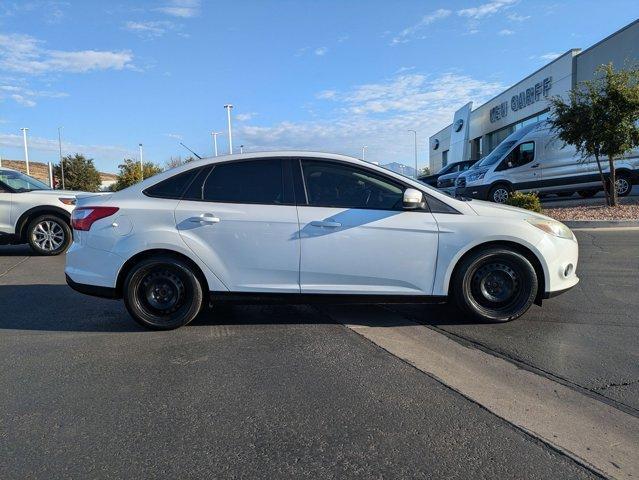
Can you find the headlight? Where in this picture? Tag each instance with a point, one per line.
(67, 200)
(471, 177)
(551, 227)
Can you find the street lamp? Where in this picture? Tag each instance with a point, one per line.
(241, 148)
(415, 133)
(214, 135)
(61, 159)
(26, 149)
(141, 163)
(364, 152)
(228, 107)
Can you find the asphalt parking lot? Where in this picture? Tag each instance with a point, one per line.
(276, 392)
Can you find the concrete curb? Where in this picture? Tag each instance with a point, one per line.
(601, 223)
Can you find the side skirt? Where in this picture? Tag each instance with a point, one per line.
(250, 298)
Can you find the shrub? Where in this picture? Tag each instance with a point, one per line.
(529, 201)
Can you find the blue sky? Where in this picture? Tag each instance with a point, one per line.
(322, 75)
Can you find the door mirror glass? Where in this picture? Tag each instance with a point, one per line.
(413, 199)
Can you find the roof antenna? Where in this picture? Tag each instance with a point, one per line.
(199, 158)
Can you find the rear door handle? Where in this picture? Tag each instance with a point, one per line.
(205, 218)
(326, 223)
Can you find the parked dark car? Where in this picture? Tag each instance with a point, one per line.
(450, 168)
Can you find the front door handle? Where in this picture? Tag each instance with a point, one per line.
(326, 223)
(534, 166)
(205, 218)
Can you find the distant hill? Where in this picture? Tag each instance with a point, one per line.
(40, 170)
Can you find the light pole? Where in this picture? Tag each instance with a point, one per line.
(61, 159)
(228, 107)
(214, 135)
(364, 152)
(26, 149)
(415, 133)
(141, 163)
(241, 148)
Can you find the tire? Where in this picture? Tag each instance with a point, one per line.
(163, 293)
(495, 284)
(587, 193)
(49, 235)
(623, 184)
(499, 193)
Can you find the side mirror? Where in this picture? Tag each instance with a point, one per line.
(413, 199)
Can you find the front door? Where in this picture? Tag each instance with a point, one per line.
(240, 219)
(522, 167)
(355, 237)
(5, 209)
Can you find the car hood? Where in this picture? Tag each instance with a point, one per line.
(450, 175)
(490, 209)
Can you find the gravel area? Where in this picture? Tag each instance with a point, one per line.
(594, 212)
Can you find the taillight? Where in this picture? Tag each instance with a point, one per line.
(82, 218)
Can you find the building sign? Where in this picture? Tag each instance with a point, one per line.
(525, 98)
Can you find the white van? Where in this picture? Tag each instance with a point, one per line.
(533, 159)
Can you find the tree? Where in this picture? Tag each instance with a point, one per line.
(130, 173)
(600, 118)
(423, 172)
(177, 161)
(79, 173)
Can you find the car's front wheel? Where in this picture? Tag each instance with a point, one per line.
(499, 193)
(495, 284)
(49, 235)
(623, 184)
(163, 293)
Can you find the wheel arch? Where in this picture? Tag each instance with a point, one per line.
(29, 215)
(157, 252)
(530, 255)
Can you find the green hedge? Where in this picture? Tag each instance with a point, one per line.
(529, 201)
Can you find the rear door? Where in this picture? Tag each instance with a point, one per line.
(563, 168)
(240, 219)
(356, 238)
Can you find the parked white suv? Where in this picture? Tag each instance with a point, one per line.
(31, 212)
(303, 226)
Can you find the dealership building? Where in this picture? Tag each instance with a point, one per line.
(475, 133)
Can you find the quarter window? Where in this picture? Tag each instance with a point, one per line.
(173, 187)
(255, 181)
(335, 185)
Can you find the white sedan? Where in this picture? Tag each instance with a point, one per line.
(303, 226)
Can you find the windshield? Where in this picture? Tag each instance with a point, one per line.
(494, 156)
(21, 182)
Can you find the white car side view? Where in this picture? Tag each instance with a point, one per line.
(303, 226)
(31, 212)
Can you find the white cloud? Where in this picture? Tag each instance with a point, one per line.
(25, 96)
(546, 56)
(409, 33)
(99, 152)
(175, 136)
(516, 17)
(321, 51)
(244, 117)
(25, 54)
(506, 31)
(377, 115)
(150, 29)
(486, 9)
(181, 8)
(343, 38)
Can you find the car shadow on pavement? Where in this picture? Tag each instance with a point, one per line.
(58, 308)
(15, 251)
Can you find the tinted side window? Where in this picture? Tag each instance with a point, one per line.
(255, 181)
(520, 155)
(335, 185)
(174, 186)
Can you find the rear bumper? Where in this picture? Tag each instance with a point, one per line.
(93, 290)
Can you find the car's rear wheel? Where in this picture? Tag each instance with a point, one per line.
(495, 284)
(163, 293)
(499, 193)
(623, 184)
(49, 235)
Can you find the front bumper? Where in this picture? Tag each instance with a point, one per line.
(479, 192)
